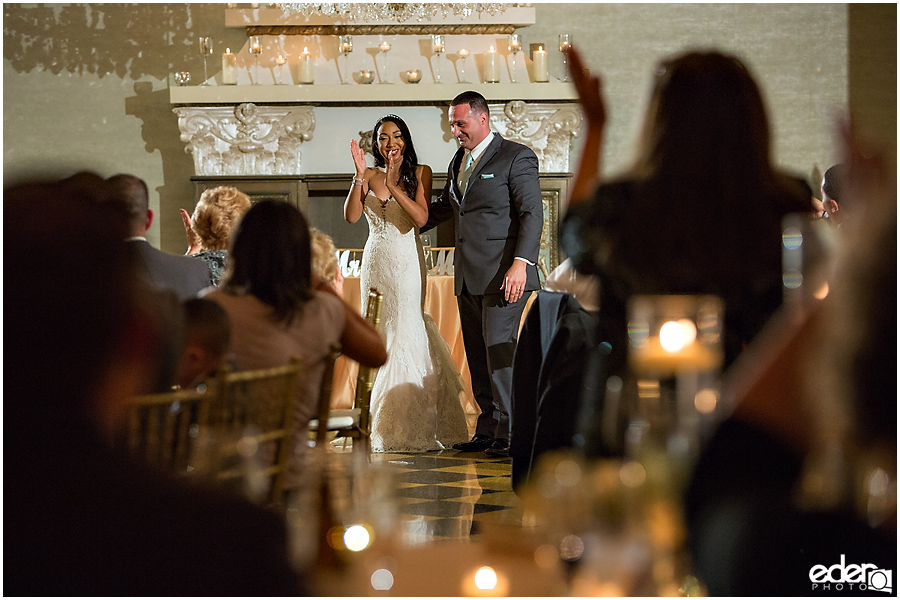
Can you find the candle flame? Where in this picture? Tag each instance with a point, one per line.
(227, 50)
(540, 48)
(305, 50)
(492, 49)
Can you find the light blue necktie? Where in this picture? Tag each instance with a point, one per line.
(467, 171)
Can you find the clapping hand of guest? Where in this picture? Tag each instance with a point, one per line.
(193, 240)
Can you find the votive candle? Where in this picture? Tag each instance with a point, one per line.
(541, 68)
(306, 67)
(229, 68)
(491, 66)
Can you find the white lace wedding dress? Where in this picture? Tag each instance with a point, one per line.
(415, 404)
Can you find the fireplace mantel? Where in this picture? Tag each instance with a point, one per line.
(373, 94)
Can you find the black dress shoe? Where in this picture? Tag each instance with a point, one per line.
(499, 449)
(478, 443)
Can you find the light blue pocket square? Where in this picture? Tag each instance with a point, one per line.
(487, 175)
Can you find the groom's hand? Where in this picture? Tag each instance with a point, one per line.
(514, 281)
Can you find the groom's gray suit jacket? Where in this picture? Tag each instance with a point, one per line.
(500, 216)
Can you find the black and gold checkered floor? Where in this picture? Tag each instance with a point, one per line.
(450, 494)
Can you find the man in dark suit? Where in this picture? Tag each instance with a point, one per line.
(79, 518)
(493, 187)
(182, 274)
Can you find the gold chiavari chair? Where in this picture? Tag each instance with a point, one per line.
(354, 423)
(252, 417)
(163, 427)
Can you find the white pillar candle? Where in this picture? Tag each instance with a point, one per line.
(306, 67)
(541, 70)
(229, 68)
(491, 66)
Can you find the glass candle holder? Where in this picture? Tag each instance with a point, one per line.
(463, 55)
(437, 45)
(256, 50)
(514, 46)
(384, 48)
(345, 45)
(205, 45)
(565, 42)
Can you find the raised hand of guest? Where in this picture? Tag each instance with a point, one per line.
(594, 107)
(193, 240)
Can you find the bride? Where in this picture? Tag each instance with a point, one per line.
(415, 405)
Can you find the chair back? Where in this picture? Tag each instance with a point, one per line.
(253, 416)
(366, 377)
(162, 427)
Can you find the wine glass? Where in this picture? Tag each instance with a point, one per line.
(206, 49)
(345, 45)
(385, 47)
(256, 50)
(565, 42)
(437, 44)
(515, 46)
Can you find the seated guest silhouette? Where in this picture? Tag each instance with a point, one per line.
(184, 276)
(207, 334)
(80, 519)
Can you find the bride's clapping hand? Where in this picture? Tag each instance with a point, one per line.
(393, 167)
(359, 158)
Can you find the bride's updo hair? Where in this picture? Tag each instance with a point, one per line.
(408, 178)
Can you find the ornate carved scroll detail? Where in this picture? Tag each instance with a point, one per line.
(495, 28)
(245, 139)
(548, 129)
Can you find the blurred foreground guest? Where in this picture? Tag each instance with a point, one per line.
(699, 212)
(160, 270)
(207, 335)
(325, 265)
(79, 518)
(276, 315)
(209, 228)
(804, 472)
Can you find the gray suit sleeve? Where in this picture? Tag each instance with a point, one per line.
(525, 189)
(440, 210)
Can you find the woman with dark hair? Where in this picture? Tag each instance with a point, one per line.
(416, 398)
(275, 313)
(700, 210)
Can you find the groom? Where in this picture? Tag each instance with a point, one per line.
(492, 185)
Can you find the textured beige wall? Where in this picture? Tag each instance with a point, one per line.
(797, 53)
(85, 85)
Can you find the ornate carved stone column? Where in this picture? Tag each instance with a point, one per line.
(246, 139)
(548, 129)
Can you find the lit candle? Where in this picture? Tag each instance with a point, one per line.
(463, 53)
(384, 46)
(306, 67)
(437, 43)
(229, 68)
(541, 70)
(491, 66)
(280, 60)
(255, 45)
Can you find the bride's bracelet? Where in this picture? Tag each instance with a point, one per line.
(358, 181)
